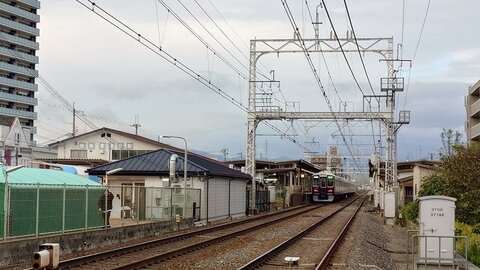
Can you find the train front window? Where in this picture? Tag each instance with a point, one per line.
(323, 182)
(330, 179)
(315, 181)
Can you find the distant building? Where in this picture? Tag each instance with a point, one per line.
(18, 34)
(106, 144)
(330, 161)
(411, 175)
(472, 106)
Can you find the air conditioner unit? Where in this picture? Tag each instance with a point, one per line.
(165, 182)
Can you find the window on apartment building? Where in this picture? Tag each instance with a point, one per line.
(82, 145)
(91, 145)
(129, 146)
(78, 154)
(120, 146)
(101, 145)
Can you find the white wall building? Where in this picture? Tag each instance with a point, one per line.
(106, 144)
(212, 190)
(15, 142)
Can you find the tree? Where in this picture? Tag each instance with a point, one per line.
(458, 177)
(450, 138)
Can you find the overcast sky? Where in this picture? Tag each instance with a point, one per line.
(112, 78)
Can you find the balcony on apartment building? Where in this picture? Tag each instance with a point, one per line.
(18, 55)
(19, 113)
(31, 3)
(20, 12)
(19, 41)
(18, 99)
(18, 84)
(18, 69)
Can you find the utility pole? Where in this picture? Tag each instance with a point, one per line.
(73, 128)
(266, 149)
(225, 153)
(75, 112)
(136, 125)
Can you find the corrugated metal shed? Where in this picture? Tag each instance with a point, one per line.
(156, 163)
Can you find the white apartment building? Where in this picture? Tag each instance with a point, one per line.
(472, 106)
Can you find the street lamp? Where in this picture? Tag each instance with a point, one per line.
(111, 172)
(6, 202)
(106, 191)
(184, 170)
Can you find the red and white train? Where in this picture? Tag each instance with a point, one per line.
(327, 187)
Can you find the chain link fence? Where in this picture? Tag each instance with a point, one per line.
(34, 209)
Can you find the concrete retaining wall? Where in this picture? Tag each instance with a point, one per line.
(20, 251)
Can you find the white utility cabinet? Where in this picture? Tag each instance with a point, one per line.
(390, 204)
(437, 229)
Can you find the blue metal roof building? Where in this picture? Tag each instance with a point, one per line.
(222, 190)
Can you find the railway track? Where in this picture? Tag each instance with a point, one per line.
(168, 247)
(307, 249)
(235, 250)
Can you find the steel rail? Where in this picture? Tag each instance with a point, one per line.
(83, 260)
(326, 259)
(190, 248)
(262, 259)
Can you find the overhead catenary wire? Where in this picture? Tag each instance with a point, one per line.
(315, 74)
(323, 57)
(233, 43)
(208, 46)
(194, 33)
(363, 62)
(421, 30)
(65, 103)
(120, 25)
(341, 48)
(358, 50)
(325, 62)
(415, 52)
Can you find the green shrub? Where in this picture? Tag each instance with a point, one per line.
(473, 241)
(410, 212)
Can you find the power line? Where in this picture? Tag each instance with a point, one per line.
(341, 48)
(170, 58)
(416, 50)
(324, 59)
(323, 55)
(421, 31)
(361, 59)
(194, 33)
(315, 73)
(233, 43)
(358, 49)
